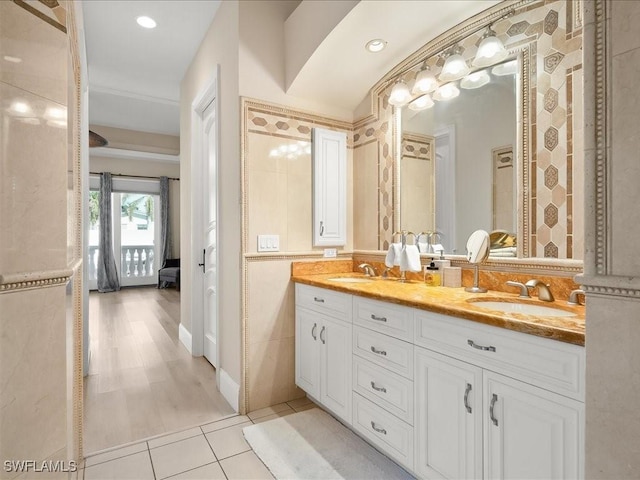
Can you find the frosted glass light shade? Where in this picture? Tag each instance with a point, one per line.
(446, 92)
(400, 94)
(425, 82)
(455, 67)
(475, 80)
(490, 51)
(507, 68)
(421, 103)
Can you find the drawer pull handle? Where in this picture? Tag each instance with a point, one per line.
(378, 389)
(378, 352)
(377, 429)
(494, 399)
(313, 331)
(466, 398)
(318, 299)
(322, 339)
(480, 347)
(378, 319)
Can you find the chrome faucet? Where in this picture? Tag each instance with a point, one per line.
(387, 273)
(367, 269)
(573, 297)
(544, 293)
(524, 291)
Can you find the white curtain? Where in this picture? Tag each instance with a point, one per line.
(107, 273)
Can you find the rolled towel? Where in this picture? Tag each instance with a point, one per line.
(393, 255)
(410, 259)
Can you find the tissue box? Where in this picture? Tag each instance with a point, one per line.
(452, 277)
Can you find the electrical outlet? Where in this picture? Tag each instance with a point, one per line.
(330, 253)
(268, 243)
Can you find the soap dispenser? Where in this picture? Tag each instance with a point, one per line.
(442, 262)
(432, 275)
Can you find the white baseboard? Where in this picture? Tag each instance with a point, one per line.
(230, 390)
(185, 337)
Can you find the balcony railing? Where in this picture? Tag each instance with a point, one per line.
(137, 265)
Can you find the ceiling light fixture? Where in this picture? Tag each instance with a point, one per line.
(455, 67)
(146, 22)
(475, 80)
(20, 107)
(490, 51)
(376, 45)
(421, 103)
(446, 92)
(400, 94)
(425, 81)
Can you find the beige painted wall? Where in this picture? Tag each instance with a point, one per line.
(219, 47)
(365, 197)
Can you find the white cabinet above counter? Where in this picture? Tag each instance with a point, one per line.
(444, 397)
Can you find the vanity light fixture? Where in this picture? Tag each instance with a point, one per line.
(376, 45)
(421, 103)
(20, 108)
(146, 22)
(400, 94)
(490, 51)
(455, 66)
(507, 68)
(12, 59)
(446, 92)
(425, 81)
(475, 80)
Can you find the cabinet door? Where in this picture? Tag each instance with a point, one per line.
(335, 370)
(448, 417)
(530, 432)
(308, 326)
(329, 187)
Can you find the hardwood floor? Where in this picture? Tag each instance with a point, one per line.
(142, 381)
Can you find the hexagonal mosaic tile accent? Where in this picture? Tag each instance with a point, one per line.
(551, 138)
(551, 250)
(551, 177)
(518, 28)
(551, 215)
(282, 125)
(551, 100)
(552, 61)
(551, 22)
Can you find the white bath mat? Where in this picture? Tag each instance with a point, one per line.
(313, 445)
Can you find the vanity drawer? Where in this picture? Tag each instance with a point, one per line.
(390, 319)
(325, 301)
(549, 364)
(383, 350)
(388, 433)
(384, 388)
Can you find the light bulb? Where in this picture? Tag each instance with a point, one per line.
(376, 45)
(446, 92)
(475, 80)
(400, 94)
(490, 51)
(421, 103)
(146, 22)
(425, 82)
(455, 67)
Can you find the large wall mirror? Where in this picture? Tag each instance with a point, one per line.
(501, 150)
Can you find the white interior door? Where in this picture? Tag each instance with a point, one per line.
(210, 234)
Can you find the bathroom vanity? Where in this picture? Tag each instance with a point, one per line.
(444, 387)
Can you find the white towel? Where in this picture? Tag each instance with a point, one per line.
(423, 247)
(410, 259)
(393, 255)
(437, 248)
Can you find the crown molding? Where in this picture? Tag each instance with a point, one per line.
(121, 153)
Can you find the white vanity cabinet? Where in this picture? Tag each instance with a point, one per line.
(323, 348)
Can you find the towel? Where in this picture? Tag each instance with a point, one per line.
(423, 247)
(393, 255)
(410, 259)
(503, 252)
(437, 248)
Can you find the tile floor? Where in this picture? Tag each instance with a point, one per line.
(214, 450)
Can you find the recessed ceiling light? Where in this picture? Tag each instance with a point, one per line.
(12, 59)
(375, 45)
(146, 22)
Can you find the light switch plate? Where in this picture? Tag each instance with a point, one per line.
(330, 253)
(268, 243)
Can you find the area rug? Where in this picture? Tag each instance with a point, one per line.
(313, 445)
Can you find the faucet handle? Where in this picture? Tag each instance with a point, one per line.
(524, 291)
(573, 297)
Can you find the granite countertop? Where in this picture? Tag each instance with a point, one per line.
(459, 303)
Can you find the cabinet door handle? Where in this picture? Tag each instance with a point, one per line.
(379, 319)
(313, 331)
(466, 398)
(321, 337)
(378, 429)
(480, 347)
(378, 352)
(378, 389)
(321, 229)
(318, 299)
(494, 399)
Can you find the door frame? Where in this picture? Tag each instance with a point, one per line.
(445, 172)
(209, 93)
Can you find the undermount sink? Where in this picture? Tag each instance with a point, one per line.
(524, 308)
(350, 280)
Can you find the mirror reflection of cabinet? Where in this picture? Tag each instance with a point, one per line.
(329, 187)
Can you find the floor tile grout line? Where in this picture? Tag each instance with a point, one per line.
(191, 469)
(153, 470)
(112, 459)
(175, 441)
(212, 450)
(225, 428)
